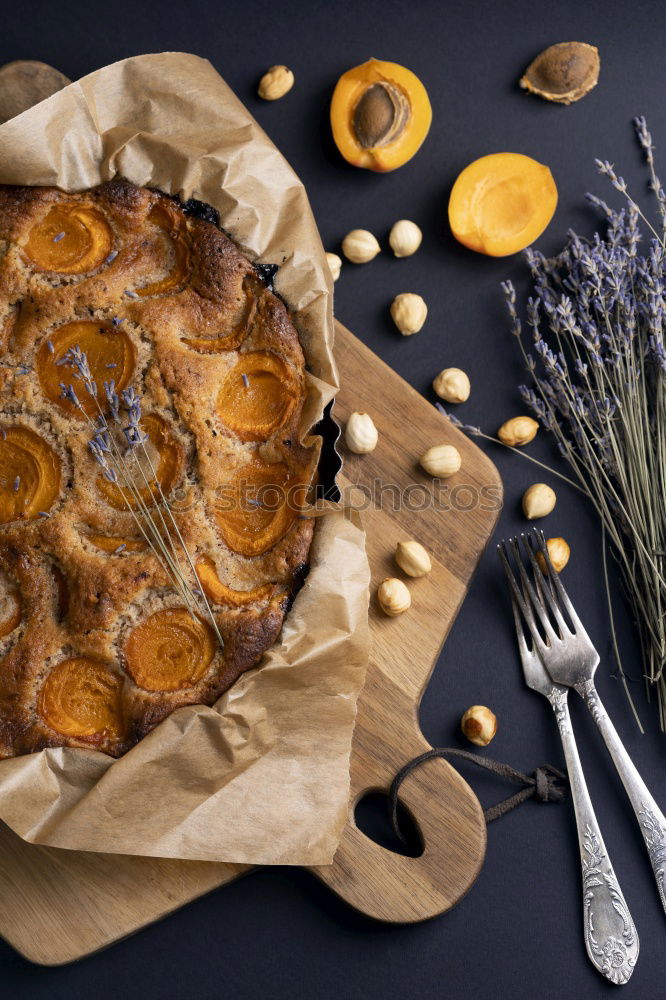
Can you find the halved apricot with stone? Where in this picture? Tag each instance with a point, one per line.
(170, 650)
(71, 239)
(258, 506)
(81, 698)
(29, 474)
(11, 610)
(257, 396)
(174, 227)
(380, 115)
(501, 203)
(110, 354)
(150, 468)
(113, 544)
(219, 593)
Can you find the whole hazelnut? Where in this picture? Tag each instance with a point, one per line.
(361, 434)
(393, 596)
(538, 501)
(359, 246)
(479, 725)
(452, 385)
(409, 313)
(518, 431)
(558, 553)
(442, 460)
(275, 83)
(412, 558)
(405, 238)
(334, 265)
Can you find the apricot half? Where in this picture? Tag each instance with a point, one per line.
(380, 115)
(29, 474)
(81, 698)
(170, 650)
(501, 203)
(258, 506)
(110, 354)
(163, 457)
(257, 396)
(71, 239)
(174, 226)
(219, 593)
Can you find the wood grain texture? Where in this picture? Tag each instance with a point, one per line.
(57, 906)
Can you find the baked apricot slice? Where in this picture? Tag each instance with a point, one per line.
(380, 115)
(219, 593)
(163, 458)
(257, 396)
(175, 228)
(29, 474)
(258, 506)
(81, 698)
(11, 609)
(170, 650)
(111, 543)
(501, 203)
(71, 239)
(110, 354)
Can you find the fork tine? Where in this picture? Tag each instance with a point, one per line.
(544, 589)
(530, 592)
(520, 602)
(557, 586)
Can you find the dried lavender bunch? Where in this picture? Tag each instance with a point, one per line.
(594, 349)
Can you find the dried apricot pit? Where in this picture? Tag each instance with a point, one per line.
(563, 73)
(501, 203)
(380, 115)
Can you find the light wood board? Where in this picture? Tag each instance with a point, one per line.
(57, 906)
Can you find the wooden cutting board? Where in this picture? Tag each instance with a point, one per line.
(56, 905)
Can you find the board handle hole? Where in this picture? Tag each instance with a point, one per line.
(373, 818)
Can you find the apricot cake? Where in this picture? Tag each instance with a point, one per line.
(151, 388)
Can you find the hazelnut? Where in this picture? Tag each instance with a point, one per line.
(442, 460)
(538, 501)
(518, 431)
(334, 265)
(412, 558)
(275, 83)
(361, 434)
(393, 597)
(359, 246)
(558, 552)
(452, 384)
(405, 238)
(409, 312)
(479, 725)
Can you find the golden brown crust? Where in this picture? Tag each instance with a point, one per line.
(204, 309)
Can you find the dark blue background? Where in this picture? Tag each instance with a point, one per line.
(517, 934)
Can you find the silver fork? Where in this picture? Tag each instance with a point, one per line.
(571, 660)
(610, 935)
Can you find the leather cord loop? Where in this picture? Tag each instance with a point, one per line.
(547, 784)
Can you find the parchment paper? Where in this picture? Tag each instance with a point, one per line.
(263, 776)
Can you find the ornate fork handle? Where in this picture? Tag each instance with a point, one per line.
(650, 817)
(610, 936)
